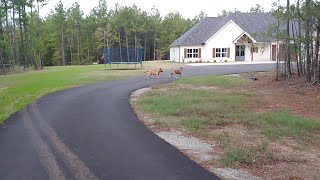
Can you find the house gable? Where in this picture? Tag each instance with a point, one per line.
(225, 36)
(226, 26)
(244, 34)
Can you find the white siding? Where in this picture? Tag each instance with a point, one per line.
(223, 39)
(264, 52)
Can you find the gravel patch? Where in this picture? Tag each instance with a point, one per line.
(135, 94)
(197, 147)
(234, 174)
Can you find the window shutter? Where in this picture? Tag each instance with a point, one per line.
(228, 52)
(214, 52)
(185, 53)
(199, 52)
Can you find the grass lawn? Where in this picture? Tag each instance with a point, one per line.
(202, 104)
(18, 90)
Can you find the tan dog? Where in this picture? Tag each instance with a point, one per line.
(154, 72)
(175, 72)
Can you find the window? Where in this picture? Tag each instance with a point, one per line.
(192, 53)
(254, 50)
(221, 52)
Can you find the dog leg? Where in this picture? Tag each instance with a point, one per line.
(171, 75)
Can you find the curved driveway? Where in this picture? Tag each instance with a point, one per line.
(91, 132)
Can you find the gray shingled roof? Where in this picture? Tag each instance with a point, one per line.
(255, 24)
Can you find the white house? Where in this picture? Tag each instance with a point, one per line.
(236, 37)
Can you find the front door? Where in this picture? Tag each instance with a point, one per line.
(240, 53)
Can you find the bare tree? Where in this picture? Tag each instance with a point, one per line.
(15, 43)
(288, 68)
(307, 41)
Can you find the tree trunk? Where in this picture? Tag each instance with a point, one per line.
(22, 46)
(32, 40)
(316, 56)
(78, 40)
(40, 36)
(288, 69)
(308, 70)
(277, 48)
(300, 44)
(2, 67)
(145, 48)
(9, 38)
(26, 33)
(15, 43)
(127, 49)
(62, 48)
(88, 58)
(135, 45)
(154, 48)
(70, 48)
(120, 47)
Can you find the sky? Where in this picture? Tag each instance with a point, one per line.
(187, 8)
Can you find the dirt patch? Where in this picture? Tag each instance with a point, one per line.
(3, 88)
(294, 95)
(137, 93)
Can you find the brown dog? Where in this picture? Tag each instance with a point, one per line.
(154, 72)
(175, 72)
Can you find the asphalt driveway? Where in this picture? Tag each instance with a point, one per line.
(91, 132)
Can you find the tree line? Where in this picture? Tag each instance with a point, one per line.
(67, 37)
(298, 30)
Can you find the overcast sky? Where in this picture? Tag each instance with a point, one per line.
(188, 9)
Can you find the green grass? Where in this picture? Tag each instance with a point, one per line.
(283, 123)
(223, 81)
(234, 156)
(260, 153)
(193, 124)
(202, 109)
(212, 107)
(18, 90)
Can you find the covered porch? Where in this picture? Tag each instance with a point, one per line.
(248, 49)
